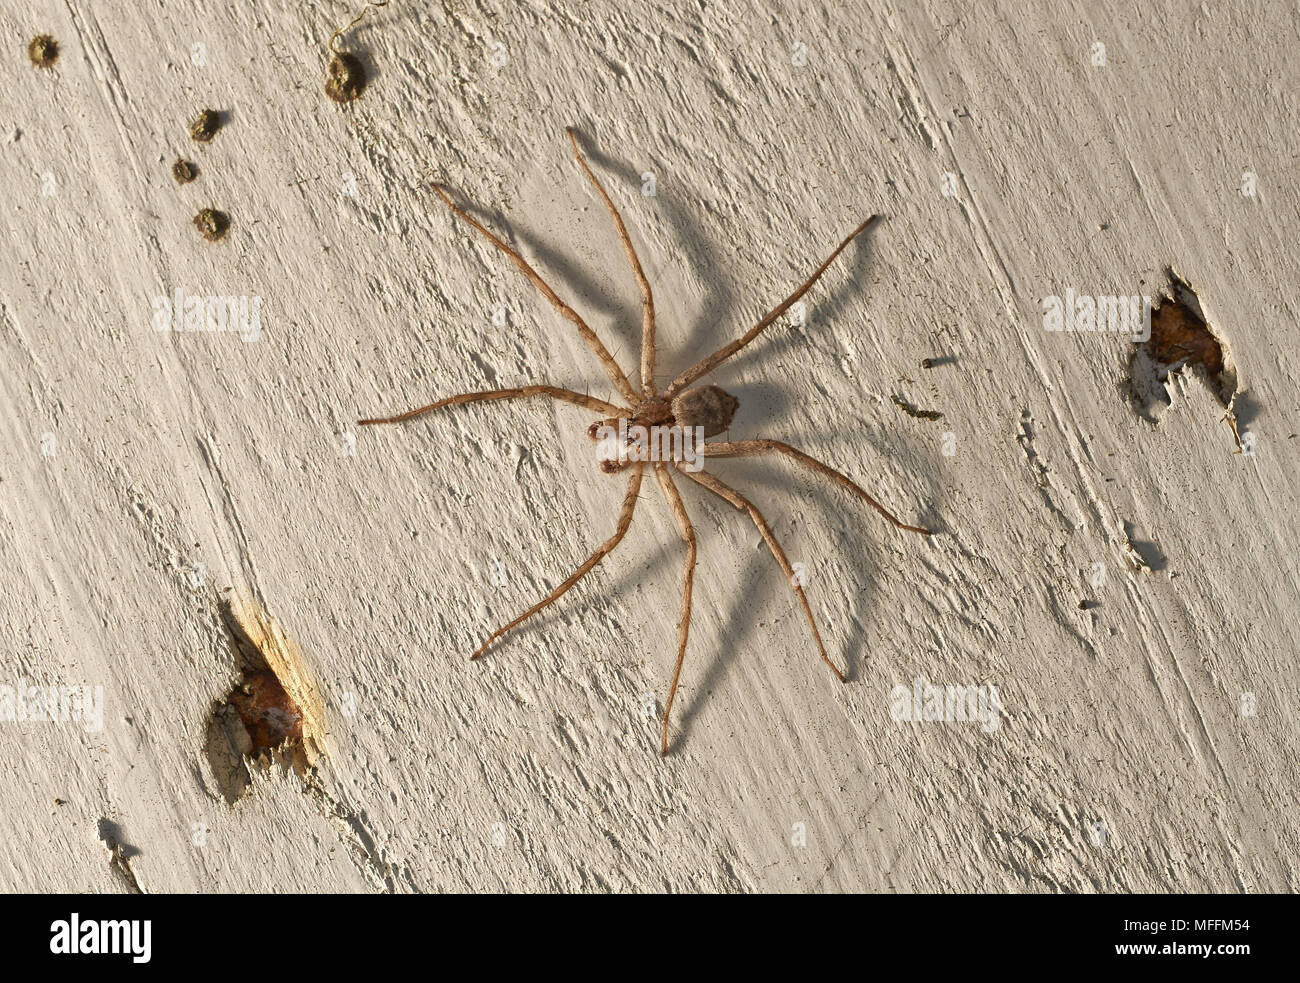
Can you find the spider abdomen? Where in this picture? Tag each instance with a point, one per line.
(710, 407)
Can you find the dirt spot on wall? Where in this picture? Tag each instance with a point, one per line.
(345, 78)
(913, 411)
(346, 75)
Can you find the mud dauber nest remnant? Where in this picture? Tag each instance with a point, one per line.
(205, 126)
(345, 76)
(43, 51)
(212, 223)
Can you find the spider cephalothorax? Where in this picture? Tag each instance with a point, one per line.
(665, 429)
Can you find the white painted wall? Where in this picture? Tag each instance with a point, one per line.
(144, 475)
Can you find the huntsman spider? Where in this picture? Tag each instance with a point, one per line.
(702, 410)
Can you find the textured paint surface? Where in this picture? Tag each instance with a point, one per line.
(1147, 737)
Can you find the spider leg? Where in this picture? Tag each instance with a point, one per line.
(605, 548)
(748, 448)
(688, 579)
(647, 298)
(564, 395)
(711, 362)
(745, 505)
(610, 366)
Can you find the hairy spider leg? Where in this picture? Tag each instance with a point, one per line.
(711, 362)
(688, 579)
(607, 362)
(602, 551)
(748, 448)
(563, 395)
(647, 298)
(739, 501)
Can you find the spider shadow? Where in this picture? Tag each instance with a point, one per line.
(780, 339)
(554, 266)
(770, 487)
(923, 506)
(700, 256)
(663, 561)
(656, 564)
(847, 642)
(760, 400)
(704, 261)
(738, 629)
(763, 483)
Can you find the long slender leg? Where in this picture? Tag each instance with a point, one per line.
(611, 367)
(602, 551)
(647, 298)
(748, 448)
(711, 362)
(745, 505)
(564, 395)
(355, 21)
(688, 579)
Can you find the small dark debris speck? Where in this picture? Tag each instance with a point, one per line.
(212, 223)
(927, 363)
(43, 51)
(184, 171)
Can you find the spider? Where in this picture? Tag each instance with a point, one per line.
(707, 410)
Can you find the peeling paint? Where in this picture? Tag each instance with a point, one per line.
(273, 714)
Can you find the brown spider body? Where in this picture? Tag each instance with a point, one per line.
(704, 411)
(680, 417)
(709, 407)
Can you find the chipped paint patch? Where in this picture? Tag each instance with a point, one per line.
(273, 714)
(1181, 340)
